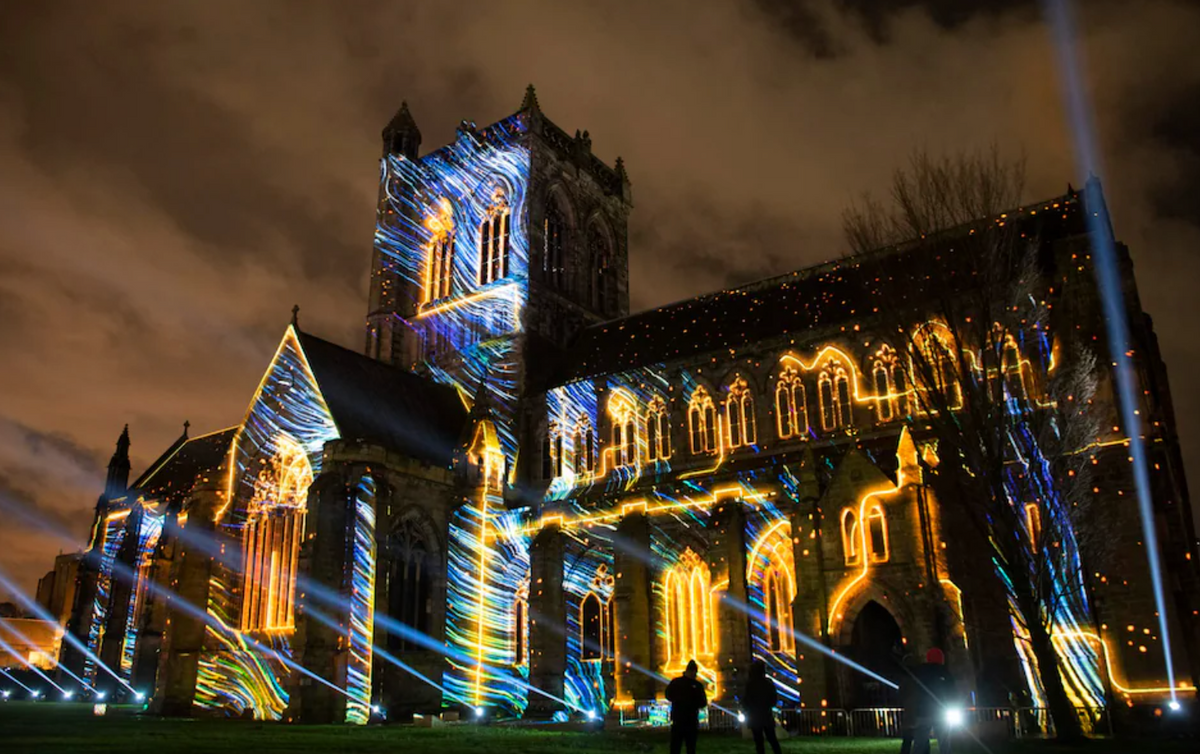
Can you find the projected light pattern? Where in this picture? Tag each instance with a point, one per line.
(770, 590)
(113, 536)
(488, 563)
(287, 411)
(468, 198)
(588, 571)
(151, 530)
(362, 604)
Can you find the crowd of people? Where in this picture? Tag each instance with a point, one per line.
(927, 693)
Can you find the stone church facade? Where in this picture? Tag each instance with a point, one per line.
(519, 499)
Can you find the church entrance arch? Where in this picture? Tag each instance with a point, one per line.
(877, 644)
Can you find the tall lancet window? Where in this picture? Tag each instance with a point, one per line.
(739, 415)
(603, 273)
(554, 234)
(271, 538)
(439, 267)
(494, 240)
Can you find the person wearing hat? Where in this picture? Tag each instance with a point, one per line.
(926, 693)
(687, 698)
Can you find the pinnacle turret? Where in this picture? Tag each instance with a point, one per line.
(401, 135)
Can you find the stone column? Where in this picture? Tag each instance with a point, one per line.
(547, 621)
(122, 586)
(634, 620)
(727, 560)
(184, 640)
(810, 609)
(325, 648)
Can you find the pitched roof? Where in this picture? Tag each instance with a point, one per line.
(814, 298)
(382, 404)
(170, 478)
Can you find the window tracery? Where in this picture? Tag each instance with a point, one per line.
(623, 412)
(702, 422)
(494, 239)
(439, 267)
(739, 415)
(688, 604)
(833, 388)
(271, 538)
(584, 445)
(554, 232)
(658, 431)
(791, 405)
(597, 634)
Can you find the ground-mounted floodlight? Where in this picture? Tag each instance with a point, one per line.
(954, 717)
(741, 717)
(1174, 705)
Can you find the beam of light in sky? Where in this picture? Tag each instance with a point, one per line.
(38, 610)
(20, 636)
(1079, 113)
(38, 671)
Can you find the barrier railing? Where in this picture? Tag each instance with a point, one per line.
(883, 722)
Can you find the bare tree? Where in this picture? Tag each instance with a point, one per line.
(1004, 396)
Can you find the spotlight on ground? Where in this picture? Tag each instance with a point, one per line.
(100, 696)
(7, 694)
(1174, 705)
(67, 695)
(741, 717)
(479, 713)
(954, 717)
(591, 714)
(139, 696)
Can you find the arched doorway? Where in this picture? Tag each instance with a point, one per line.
(877, 644)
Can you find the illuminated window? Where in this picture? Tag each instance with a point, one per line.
(739, 415)
(271, 538)
(439, 265)
(939, 371)
(554, 232)
(777, 601)
(877, 534)
(597, 636)
(791, 405)
(584, 445)
(833, 386)
(850, 537)
(702, 422)
(688, 609)
(1014, 370)
(603, 273)
(547, 455)
(1033, 525)
(494, 240)
(900, 385)
(521, 625)
(410, 583)
(623, 413)
(553, 453)
(658, 431)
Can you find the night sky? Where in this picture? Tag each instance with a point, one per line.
(175, 176)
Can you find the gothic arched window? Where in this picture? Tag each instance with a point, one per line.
(778, 603)
(688, 608)
(271, 538)
(791, 405)
(410, 587)
(554, 234)
(584, 446)
(603, 277)
(658, 431)
(850, 537)
(739, 415)
(439, 262)
(833, 386)
(877, 537)
(521, 625)
(623, 413)
(494, 240)
(597, 634)
(702, 422)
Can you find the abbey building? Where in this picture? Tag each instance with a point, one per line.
(518, 499)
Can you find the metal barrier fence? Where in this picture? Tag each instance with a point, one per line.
(885, 722)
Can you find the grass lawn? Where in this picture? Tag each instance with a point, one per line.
(60, 728)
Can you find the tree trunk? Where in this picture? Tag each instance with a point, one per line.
(1062, 711)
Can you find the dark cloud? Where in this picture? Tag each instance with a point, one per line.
(176, 176)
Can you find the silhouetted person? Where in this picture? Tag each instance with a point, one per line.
(758, 702)
(687, 698)
(926, 693)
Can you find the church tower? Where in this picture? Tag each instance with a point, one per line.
(493, 252)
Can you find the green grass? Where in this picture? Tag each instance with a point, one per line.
(54, 728)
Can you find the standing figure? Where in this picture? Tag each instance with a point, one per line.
(927, 693)
(758, 702)
(687, 698)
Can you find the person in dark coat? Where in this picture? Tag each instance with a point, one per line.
(758, 702)
(687, 698)
(926, 693)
